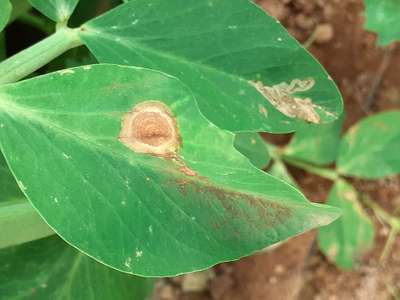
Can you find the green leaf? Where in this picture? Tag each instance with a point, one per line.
(316, 144)
(254, 148)
(346, 239)
(50, 269)
(5, 12)
(383, 17)
(198, 204)
(224, 51)
(370, 149)
(57, 10)
(279, 170)
(19, 222)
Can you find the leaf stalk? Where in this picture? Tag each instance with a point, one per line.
(33, 58)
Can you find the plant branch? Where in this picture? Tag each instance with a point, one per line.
(392, 221)
(278, 155)
(322, 172)
(33, 58)
(36, 22)
(20, 223)
(387, 56)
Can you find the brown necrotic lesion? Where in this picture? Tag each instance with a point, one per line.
(283, 97)
(150, 128)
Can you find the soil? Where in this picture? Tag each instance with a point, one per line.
(369, 79)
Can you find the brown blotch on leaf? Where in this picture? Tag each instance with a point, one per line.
(268, 214)
(187, 171)
(150, 128)
(283, 97)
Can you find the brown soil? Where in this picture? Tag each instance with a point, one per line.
(369, 80)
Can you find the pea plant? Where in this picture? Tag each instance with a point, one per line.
(368, 151)
(146, 160)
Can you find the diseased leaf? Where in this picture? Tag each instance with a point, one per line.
(57, 10)
(19, 222)
(346, 239)
(5, 12)
(79, 141)
(370, 149)
(50, 269)
(254, 148)
(316, 144)
(245, 70)
(383, 17)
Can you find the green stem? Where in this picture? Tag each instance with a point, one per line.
(29, 60)
(19, 8)
(36, 22)
(278, 155)
(392, 221)
(322, 172)
(389, 244)
(20, 223)
(382, 214)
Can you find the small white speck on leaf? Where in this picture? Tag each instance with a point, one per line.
(21, 185)
(151, 229)
(134, 22)
(55, 199)
(123, 203)
(280, 39)
(66, 156)
(43, 285)
(232, 27)
(139, 253)
(114, 27)
(128, 262)
(66, 71)
(87, 67)
(2, 125)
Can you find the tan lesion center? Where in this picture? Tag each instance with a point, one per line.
(150, 128)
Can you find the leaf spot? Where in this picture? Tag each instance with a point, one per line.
(282, 97)
(128, 262)
(139, 253)
(66, 71)
(66, 156)
(187, 171)
(150, 128)
(262, 110)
